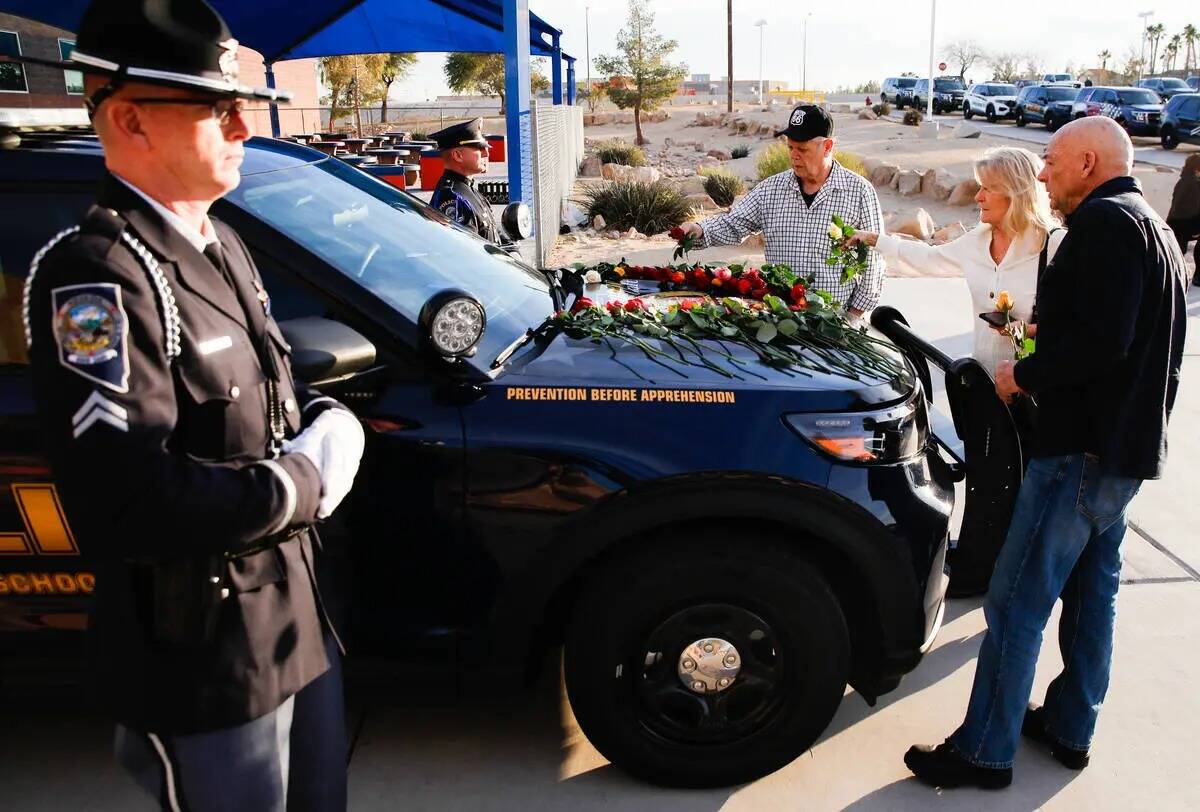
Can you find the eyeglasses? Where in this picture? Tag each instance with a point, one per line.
(223, 110)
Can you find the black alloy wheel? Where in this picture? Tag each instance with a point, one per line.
(705, 663)
(1051, 123)
(1169, 138)
(968, 113)
(991, 114)
(1020, 119)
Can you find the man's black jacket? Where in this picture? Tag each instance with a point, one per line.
(1112, 311)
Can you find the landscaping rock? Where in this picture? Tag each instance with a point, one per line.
(719, 154)
(964, 193)
(692, 186)
(839, 107)
(631, 233)
(949, 233)
(908, 182)
(614, 172)
(937, 184)
(700, 147)
(598, 222)
(590, 167)
(882, 174)
(707, 161)
(919, 225)
(702, 201)
(867, 114)
(601, 119)
(643, 174)
(967, 131)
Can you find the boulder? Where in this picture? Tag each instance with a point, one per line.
(867, 114)
(918, 224)
(706, 161)
(949, 233)
(700, 147)
(937, 184)
(643, 174)
(964, 193)
(908, 182)
(882, 174)
(839, 107)
(753, 128)
(617, 172)
(655, 116)
(719, 154)
(965, 130)
(702, 201)
(692, 186)
(589, 120)
(598, 222)
(631, 233)
(590, 167)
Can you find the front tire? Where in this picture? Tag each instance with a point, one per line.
(1051, 123)
(1168, 138)
(991, 114)
(636, 624)
(968, 113)
(1020, 120)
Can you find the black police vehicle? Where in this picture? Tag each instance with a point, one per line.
(1049, 105)
(898, 90)
(718, 558)
(1180, 121)
(948, 93)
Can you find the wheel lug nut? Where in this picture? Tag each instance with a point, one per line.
(723, 682)
(708, 648)
(730, 660)
(688, 665)
(698, 686)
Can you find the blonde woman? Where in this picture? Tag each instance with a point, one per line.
(1003, 253)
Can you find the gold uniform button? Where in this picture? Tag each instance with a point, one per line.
(235, 391)
(289, 405)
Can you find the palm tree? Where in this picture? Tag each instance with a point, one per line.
(1190, 35)
(1104, 56)
(1154, 32)
(1170, 51)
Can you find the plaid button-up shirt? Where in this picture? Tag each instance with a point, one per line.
(797, 235)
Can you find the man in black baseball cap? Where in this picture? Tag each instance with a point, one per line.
(795, 208)
(154, 354)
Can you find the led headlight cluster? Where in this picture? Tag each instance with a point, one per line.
(457, 326)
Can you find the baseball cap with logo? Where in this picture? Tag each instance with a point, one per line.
(806, 122)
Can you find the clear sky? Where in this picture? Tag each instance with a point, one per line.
(853, 43)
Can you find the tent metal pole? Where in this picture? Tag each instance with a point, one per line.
(516, 100)
(556, 70)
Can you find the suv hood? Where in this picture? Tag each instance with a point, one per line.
(1146, 108)
(562, 361)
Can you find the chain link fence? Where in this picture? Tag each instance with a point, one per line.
(557, 151)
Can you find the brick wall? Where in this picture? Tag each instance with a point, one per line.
(48, 88)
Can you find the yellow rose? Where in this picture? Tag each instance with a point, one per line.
(619, 271)
(1004, 301)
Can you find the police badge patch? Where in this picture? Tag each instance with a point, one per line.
(92, 333)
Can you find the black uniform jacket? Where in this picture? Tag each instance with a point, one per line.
(154, 404)
(456, 197)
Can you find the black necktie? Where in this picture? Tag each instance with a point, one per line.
(252, 307)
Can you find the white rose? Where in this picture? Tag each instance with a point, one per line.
(592, 277)
(835, 233)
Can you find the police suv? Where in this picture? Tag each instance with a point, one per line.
(717, 558)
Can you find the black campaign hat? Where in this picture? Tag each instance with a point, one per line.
(171, 43)
(806, 122)
(466, 134)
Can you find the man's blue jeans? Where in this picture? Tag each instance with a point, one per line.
(1064, 541)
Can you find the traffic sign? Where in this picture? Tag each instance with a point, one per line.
(941, 66)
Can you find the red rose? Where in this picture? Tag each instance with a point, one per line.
(700, 282)
(614, 307)
(758, 293)
(798, 291)
(689, 304)
(634, 305)
(677, 277)
(743, 286)
(801, 305)
(676, 233)
(582, 303)
(723, 273)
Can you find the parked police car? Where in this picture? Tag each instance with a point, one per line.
(716, 560)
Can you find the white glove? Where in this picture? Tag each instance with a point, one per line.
(334, 445)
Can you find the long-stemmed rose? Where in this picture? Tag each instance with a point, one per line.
(686, 242)
(852, 258)
(1016, 330)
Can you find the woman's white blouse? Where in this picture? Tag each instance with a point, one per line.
(970, 255)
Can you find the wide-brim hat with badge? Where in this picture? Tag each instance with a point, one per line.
(807, 121)
(182, 44)
(464, 134)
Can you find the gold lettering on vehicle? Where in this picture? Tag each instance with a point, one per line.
(718, 397)
(46, 528)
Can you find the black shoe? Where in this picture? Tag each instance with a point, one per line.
(942, 766)
(1034, 729)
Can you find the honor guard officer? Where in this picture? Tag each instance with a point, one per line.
(186, 455)
(465, 153)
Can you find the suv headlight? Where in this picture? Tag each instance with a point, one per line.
(868, 438)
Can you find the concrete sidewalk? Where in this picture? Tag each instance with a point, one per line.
(414, 751)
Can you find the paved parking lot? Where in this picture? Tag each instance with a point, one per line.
(415, 750)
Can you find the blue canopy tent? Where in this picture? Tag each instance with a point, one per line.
(295, 29)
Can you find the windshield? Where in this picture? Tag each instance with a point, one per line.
(1001, 90)
(905, 82)
(1058, 77)
(1138, 97)
(946, 85)
(1174, 84)
(394, 246)
(1061, 93)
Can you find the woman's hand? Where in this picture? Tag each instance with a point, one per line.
(865, 237)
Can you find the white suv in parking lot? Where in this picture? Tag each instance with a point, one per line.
(992, 99)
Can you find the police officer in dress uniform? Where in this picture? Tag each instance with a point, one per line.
(465, 153)
(191, 464)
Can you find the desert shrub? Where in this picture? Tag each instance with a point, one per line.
(651, 208)
(912, 117)
(618, 152)
(722, 185)
(882, 109)
(851, 161)
(773, 160)
(740, 151)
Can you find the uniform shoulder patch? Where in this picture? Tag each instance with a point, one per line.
(92, 333)
(450, 208)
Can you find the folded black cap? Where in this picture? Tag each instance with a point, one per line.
(806, 122)
(172, 43)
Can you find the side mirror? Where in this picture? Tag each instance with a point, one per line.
(517, 221)
(324, 351)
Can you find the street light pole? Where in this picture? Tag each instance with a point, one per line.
(760, 24)
(932, 29)
(587, 47)
(729, 43)
(804, 55)
(1144, 16)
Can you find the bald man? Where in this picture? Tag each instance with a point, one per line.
(1111, 316)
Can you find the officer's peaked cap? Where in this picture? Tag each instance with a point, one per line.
(466, 134)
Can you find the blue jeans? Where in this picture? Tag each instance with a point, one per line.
(1064, 541)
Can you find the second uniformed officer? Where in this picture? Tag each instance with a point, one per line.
(191, 465)
(465, 153)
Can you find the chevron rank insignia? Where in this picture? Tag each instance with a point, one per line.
(99, 409)
(92, 333)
